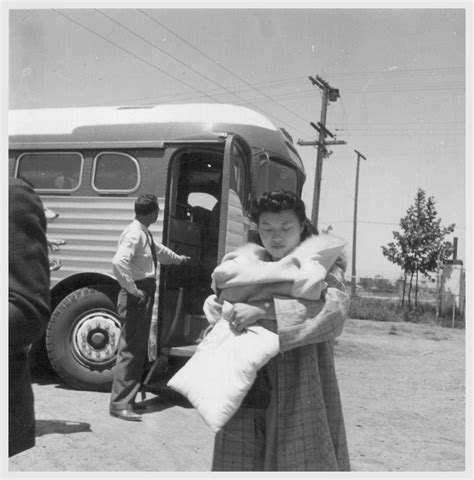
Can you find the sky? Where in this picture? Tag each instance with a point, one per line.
(400, 73)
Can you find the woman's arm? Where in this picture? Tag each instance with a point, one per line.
(335, 276)
(298, 321)
(239, 315)
(303, 322)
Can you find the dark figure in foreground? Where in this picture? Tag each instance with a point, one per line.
(135, 266)
(28, 306)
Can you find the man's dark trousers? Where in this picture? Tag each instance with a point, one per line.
(132, 354)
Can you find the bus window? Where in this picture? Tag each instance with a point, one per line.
(195, 181)
(115, 172)
(203, 200)
(51, 170)
(273, 175)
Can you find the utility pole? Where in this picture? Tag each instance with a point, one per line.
(330, 94)
(354, 228)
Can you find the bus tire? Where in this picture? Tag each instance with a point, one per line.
(82, 338)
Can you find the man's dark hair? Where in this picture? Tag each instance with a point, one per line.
(146, 203)
(279, 200)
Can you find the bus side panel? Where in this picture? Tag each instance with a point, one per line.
(91, 228)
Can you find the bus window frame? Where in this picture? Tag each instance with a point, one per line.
(246, 163)
(117, 191)
(53, 191)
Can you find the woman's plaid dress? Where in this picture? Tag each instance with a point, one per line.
(301, 428)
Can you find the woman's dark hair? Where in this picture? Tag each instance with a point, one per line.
(146, 204)
(279, 200)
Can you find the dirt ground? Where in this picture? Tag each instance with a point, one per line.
(403, 393)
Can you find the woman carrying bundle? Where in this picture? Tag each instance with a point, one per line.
(291, 419)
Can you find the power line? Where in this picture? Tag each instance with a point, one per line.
(252, 87)
(175, 58)
(369, 91)
(244, 100)
(297, 80)
(272, 84)
(401, 123)
(426, 70)
(221, 65)
(360, 221)
(233, 92)
(354, 131)
(384, 130)
(387, 89)
(164, 52)
(155, 66)
(371, 222)
(130, 53)
(407, 134)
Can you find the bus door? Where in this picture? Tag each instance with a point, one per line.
(208, 217)
(234, 220)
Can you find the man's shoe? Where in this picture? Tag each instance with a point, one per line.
(126, 414)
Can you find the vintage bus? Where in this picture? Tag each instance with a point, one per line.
(204, 162)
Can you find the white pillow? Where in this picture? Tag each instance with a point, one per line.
(218, 376)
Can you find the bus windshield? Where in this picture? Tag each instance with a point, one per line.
(273, 173)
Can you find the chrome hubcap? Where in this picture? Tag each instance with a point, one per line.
(96, 335)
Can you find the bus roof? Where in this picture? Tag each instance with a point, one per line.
(126, 126)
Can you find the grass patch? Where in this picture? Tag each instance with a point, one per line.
(383, 310)
(391, 310)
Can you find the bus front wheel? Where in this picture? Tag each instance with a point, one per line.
(82, 338)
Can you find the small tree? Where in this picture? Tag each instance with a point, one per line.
(421, 246)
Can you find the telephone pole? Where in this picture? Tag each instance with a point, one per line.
(354, 228)
(330, 94)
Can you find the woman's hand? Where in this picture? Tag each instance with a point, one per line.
(243, 315)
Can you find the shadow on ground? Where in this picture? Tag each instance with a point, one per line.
(46, 427)
(162, 399)
(158, 396)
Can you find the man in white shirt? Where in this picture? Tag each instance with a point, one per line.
(135, 265)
